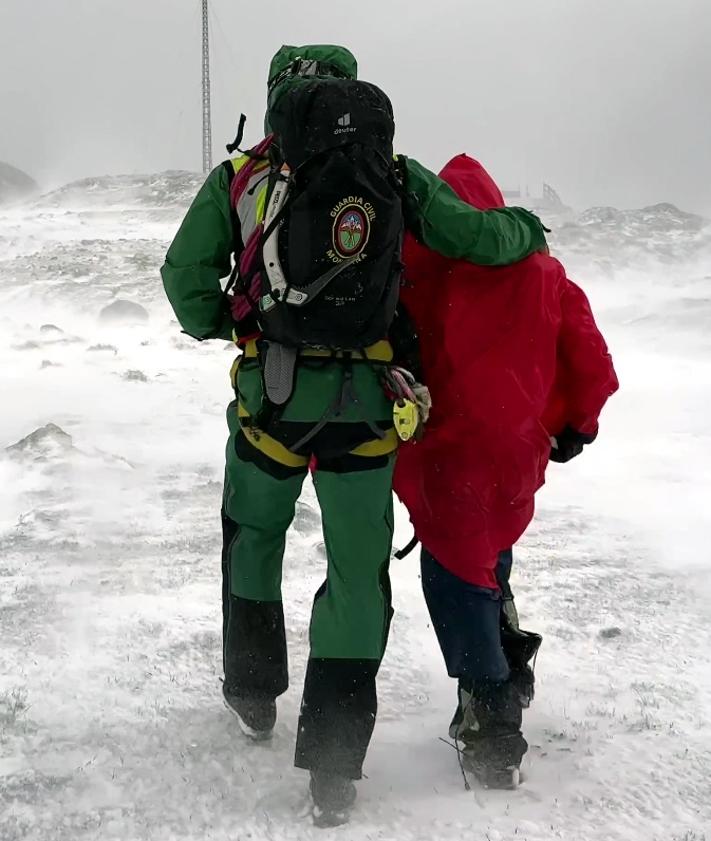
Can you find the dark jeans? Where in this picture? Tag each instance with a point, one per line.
(467, 621)
(503, 572)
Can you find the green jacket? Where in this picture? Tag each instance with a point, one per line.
(200, 254)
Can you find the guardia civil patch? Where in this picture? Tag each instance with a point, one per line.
(351, 229)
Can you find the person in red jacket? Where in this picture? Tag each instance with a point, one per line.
(519, 373)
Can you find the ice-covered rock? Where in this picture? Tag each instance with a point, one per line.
(135, 376)
(14, 183)
(631, 237)
(51, 330)
(663, 217)
(162, 189)
(102, 349)
(123, 312)
(44, 443)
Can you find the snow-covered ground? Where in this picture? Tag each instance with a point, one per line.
(111, 723)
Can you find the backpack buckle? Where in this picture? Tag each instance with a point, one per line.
(306, 67)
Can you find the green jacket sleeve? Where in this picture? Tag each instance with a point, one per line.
(198, 258)
(450, 226)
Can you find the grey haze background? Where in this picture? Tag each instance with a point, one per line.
(608, 100)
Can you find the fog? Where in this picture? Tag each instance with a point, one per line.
(607, 101)
(112, 430)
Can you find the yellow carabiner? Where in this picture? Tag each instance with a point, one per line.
(406, 418)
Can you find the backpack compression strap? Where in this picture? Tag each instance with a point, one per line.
(280, 290)
(306, 67)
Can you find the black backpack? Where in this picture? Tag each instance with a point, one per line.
(332, 239)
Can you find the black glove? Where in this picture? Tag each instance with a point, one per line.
(569, 443)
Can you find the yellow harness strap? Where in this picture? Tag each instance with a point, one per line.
(270, 446)
(378, 446)
(381, 351)
(276, 451)
(233, 372)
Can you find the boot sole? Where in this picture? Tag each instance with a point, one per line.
(324, 820)
(324, 817)
(249, 732)
(511, 784)
(508, 779)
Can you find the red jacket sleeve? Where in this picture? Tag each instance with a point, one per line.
(585, 376)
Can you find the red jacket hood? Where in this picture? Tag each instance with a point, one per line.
(471, 182)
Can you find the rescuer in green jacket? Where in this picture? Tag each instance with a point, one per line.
(337, 416)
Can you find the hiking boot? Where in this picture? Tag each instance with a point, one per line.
(495, 761)
(333, 797)
(488, 722)
(255, 714)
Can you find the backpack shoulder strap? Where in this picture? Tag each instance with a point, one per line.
(231, 168)
(239, 171)
(245, 166)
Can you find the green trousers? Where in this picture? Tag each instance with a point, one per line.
(352, 608)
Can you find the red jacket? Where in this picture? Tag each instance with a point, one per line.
(511, 356)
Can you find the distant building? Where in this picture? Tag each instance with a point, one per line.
(550, 200)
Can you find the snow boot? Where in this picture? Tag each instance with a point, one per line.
(333, 797)
(488, 723)
(255, 714)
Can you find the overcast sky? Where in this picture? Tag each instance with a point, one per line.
(607, 100)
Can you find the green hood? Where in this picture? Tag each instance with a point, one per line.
(340, 58)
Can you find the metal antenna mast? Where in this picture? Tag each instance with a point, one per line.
(206, 110)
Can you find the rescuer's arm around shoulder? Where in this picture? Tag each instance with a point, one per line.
(445, 223)
(198, 258)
